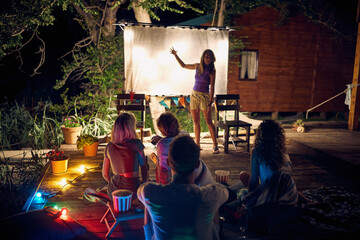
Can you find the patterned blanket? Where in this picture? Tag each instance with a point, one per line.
(332, 208)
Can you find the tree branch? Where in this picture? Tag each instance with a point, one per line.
(42, 59)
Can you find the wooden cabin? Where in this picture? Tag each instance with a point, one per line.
(299, 64)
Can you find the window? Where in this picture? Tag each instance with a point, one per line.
(248, 65)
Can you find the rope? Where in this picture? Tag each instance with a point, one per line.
(351, 86)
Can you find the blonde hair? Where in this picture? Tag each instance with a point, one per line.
(124, 128)
(212, 66)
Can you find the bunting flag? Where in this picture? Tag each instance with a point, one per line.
(132, 96)
(162, 102)
(159, 99)
(167, 102)
(182, 101)
(176, 100)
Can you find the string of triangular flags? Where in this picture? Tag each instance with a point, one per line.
(166, 102)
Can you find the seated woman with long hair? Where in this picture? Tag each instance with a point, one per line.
(270, 164)
(124, 154)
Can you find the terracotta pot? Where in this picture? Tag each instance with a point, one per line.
(59, 166)
(71, 134)
(91, 150)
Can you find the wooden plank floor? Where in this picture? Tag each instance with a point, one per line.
(316, 156)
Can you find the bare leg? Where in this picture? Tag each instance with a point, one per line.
(195, 113)
(245, 178)
(211, 126)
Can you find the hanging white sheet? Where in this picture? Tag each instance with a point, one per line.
(151, 69)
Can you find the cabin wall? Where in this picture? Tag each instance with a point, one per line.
(300, 64)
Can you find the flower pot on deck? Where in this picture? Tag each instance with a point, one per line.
(71, 134)
(59, 166)
(91, 150)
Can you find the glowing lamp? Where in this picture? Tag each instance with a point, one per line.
(64, 211)
(38, 195)
(82, 169)
(62, 182)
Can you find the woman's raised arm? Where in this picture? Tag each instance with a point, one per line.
(182, 64)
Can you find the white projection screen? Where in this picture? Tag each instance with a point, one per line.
(151, 69)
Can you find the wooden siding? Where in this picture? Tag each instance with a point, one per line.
(300, 64)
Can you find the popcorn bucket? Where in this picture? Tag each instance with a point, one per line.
(222, 176)
(122, 200)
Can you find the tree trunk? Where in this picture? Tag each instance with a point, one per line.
(141, 15)
(221, 13)
(110, 19)
(90, 22)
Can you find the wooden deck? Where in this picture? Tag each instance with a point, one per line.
(321, 157)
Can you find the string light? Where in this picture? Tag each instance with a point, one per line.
(64, 211)
(82, 169)
(63, 182)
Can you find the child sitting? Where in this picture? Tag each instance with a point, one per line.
(168, 125)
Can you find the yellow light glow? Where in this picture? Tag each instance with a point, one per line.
(63, 182)
(82, 169)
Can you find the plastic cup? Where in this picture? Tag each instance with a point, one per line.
(222, 176)
(122, 200)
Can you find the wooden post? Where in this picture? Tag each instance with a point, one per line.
(353, 122)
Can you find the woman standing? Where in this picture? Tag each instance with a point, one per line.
(124, 154)
(201, 98)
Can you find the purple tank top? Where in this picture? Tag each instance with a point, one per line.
(202, 81)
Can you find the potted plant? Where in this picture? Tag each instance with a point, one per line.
(59, 161)
(71, 129)
(299, 126)
(88, 143)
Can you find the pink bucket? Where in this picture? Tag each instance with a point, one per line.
(122, 200)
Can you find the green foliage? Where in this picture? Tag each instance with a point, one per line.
(46, 131)
(163, 5)
(20, 16)
(19, 128)
(299, 122)
(17, 178)
(85, 140)
(15, 124)
(99, 71)
(184, 117)
(99, 126)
